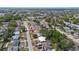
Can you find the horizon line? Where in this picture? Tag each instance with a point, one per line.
(39, 7)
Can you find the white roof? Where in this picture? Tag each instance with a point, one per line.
(41, 38)
(17, 32)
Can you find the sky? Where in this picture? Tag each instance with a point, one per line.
(39, 3)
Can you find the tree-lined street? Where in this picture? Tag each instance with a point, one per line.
(28, 36)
